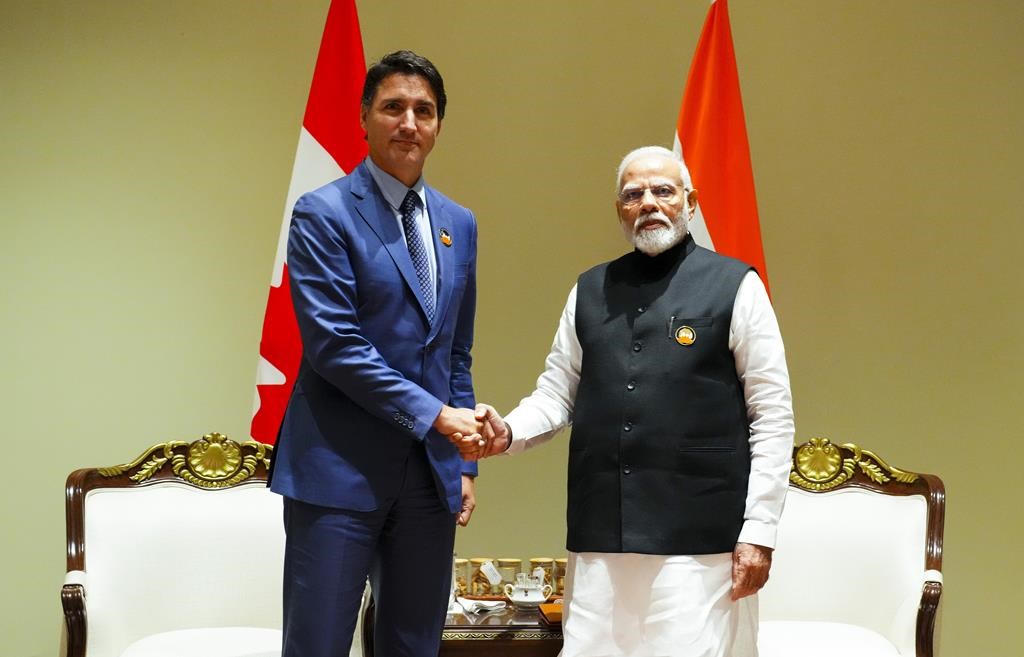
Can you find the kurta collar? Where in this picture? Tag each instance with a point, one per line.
(661, 264)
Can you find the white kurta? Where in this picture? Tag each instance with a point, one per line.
(595, 619)
(649, 605)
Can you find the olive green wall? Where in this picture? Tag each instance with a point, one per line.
(145, 150)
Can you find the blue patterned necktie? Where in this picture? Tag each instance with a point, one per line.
(417, 252)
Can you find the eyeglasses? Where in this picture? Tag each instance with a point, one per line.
(663, 192)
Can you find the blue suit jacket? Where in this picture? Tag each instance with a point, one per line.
(374, 371)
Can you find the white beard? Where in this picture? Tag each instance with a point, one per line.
(658, 240)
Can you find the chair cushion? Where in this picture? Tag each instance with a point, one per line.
(168, 556)
(209, 642)
(849, 556)
(812, 639)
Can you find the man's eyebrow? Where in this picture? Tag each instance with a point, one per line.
(417, 101)
(652, 181)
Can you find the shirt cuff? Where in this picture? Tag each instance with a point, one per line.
(518, 444)
(756, 532)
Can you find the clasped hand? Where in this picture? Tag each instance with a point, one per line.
(477, 433)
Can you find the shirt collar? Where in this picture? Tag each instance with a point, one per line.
(393, 189)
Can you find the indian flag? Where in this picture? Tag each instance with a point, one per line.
(712, 136)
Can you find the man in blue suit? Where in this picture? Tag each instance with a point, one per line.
(383, 278)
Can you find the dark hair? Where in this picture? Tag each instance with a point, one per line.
(404, 62)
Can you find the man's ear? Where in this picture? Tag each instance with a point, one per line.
(691, 203)
(618, 207)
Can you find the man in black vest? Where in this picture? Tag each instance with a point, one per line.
(669, 364)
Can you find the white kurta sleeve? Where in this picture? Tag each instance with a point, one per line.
(549, 408)
(756, 343)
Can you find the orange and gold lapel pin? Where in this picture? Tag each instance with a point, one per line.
(686, 336)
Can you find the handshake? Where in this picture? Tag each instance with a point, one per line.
(477, 433)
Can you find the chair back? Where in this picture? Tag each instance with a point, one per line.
(858, 541)
(185, 536)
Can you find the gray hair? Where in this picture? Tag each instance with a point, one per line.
(646, 151)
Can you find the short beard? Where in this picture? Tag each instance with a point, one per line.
(659, 240)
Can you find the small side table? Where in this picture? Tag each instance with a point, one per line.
(505, 633)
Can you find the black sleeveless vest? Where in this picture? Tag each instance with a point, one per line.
(659, 455)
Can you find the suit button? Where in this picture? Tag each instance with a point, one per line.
(627, 426)
(626, 470)
(642, 309)
(637, 346)
(631, 385)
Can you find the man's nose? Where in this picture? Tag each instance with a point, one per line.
(408, 121)
(648, 202)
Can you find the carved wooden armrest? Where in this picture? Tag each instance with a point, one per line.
(927, 613)
(72, 599)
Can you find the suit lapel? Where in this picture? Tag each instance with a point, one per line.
(374, 210)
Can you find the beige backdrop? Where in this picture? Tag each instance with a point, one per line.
(145, 150)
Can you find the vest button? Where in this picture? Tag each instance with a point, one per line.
(627, 426)
(637, 346)
(626, 470)
(642, 309)
(631, 385)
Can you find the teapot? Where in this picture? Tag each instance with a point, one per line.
(528, 591)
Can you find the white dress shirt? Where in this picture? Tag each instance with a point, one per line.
(760, 356)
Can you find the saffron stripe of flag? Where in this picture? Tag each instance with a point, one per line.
(330, 145)
(711, 134)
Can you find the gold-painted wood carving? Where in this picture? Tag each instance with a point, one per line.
(516, 635)
(213, 461)
(819, 466)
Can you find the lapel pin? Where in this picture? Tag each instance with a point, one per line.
(686, 336)
(446, 237)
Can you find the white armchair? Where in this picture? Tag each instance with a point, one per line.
(178, 553)
(857, 569)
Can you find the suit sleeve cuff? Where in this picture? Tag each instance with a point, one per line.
(419, 419)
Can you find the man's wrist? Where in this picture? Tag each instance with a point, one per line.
(439, 420)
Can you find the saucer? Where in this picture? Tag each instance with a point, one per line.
(526, 604)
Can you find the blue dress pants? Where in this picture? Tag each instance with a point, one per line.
(404, 547)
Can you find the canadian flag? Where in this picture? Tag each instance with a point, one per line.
(712, 136)
(331, 144)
